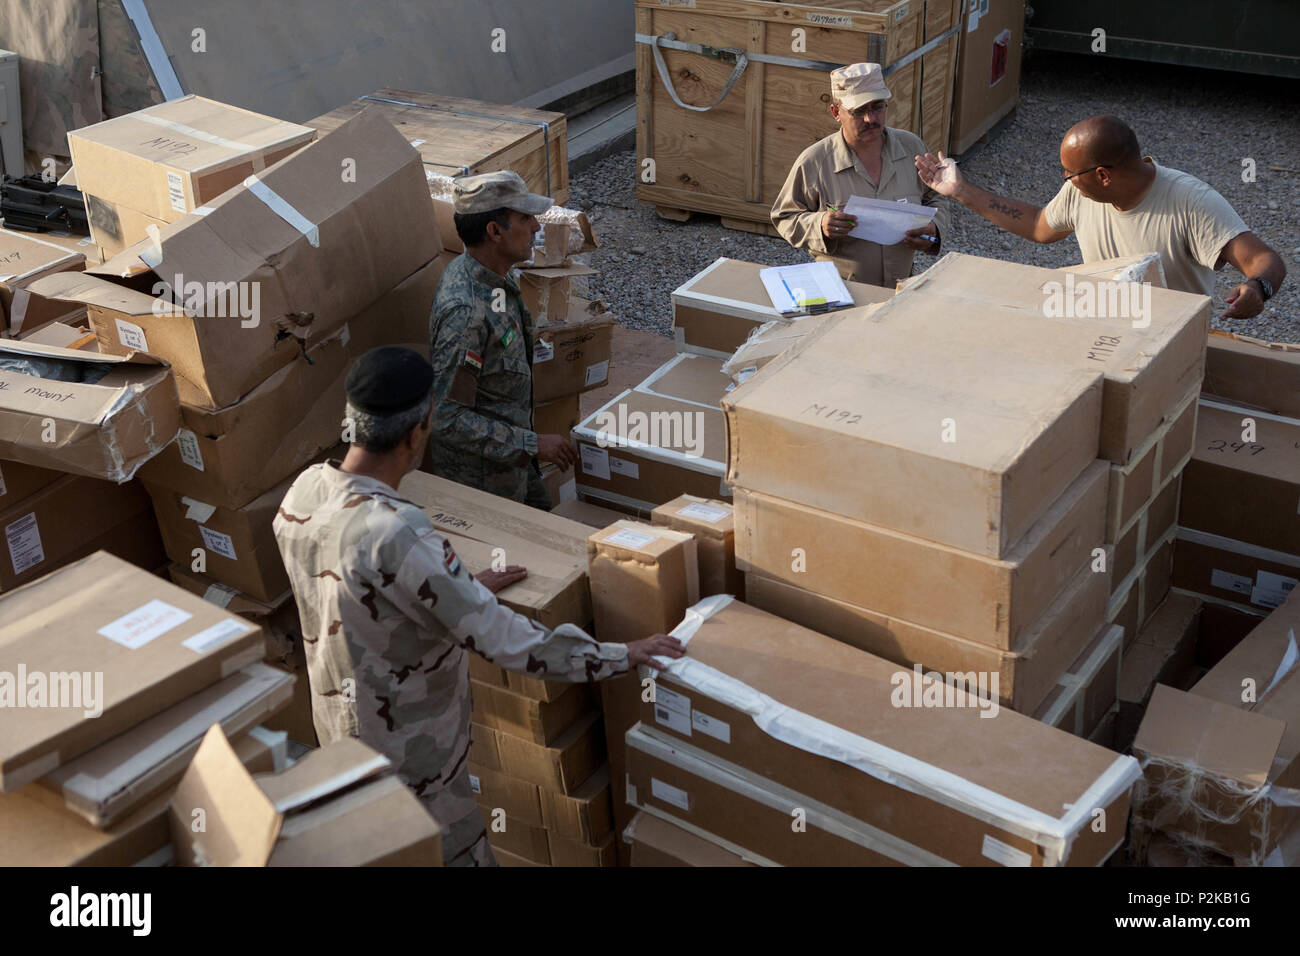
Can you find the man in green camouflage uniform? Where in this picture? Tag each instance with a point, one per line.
(388, 611)
(481, 346)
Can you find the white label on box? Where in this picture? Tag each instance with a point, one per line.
(569, 490)
(145, 623)
(188, 443)
(199, 511)
(215, 636)
(132, 336)
(1275, 582)
(597, 373)
(1267, 597)
(718, 729)
(830, 19)
(219, 594)
(2, 483)
(474, 784)
(621, 466)
(542, 352)
(218, 542)
(595, 461)
(1231, 582)
(176, 190)
(627, 538)
(704, 512)
(417, 143)
(673, 710)
(670, 794)
(25, 549)
(1007, 855)
(900, 12)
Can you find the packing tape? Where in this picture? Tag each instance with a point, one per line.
(1248, 412)
(1220, 543)
(197, 510)
(816, 736)
(282, 209)
(211, 138)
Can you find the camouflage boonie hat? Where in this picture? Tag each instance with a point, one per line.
(500, 190)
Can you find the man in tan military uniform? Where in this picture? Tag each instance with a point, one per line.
(388, 611)
(864, 157)
(481, 346)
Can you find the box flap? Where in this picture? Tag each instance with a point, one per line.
(23, 255)
(88, 288)
(29, 347)
(322, 773)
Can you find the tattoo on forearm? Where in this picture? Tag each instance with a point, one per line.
(1005, 208)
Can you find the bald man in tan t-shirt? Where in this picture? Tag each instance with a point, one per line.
(1119, 203)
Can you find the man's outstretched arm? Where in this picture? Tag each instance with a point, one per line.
(1022, 218)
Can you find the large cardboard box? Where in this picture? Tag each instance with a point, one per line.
(67, 520)
(562, 766)
(714, 525)
(154, 643)
(40, 831)
(232, 292)
(337, 806)
(1150, 469)
(990, 600)
(1024, 676)
(517, 800)
(1245, 575)
(807, 717)
(18, 480)
(558, 417)
(1221, 763)
(478, 524)
(1087, 692)
(988, 69)
(715, 311)
(108, 782)
(656, 842)
(1241, 370)
(229, 456)
(114, 414)
(24, 259)
(168, 159)
(572, 356)
(967, 431)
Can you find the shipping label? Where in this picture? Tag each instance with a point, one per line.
(188, 443)
(621, 466)
(670, 794)
(704, 512)
(597, 373)
(595, 462)
(131, 335)
(218, 542)
(144, 624)
(24, 539)
(673, 710)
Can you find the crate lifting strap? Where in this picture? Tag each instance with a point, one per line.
(742, 59)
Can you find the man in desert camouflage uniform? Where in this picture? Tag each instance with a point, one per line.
(481, 346)
(388, 611)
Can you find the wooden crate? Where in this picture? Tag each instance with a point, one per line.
(939, 73)
(733, 159)
(460, 137)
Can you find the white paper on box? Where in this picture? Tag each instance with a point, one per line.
(219, 594)
(1267, 597)
(718, 729)
(188, 443)
(673, 710)
(215, 636)
(131, 335)
(542, 352)
(199, 511)
(176, 191)
(1004, 853)
(474, 784)
(218, 542)
(621, 466)
(1285, 666)
(24, 539)
(144, 624)
(703, 512)
(670, 794)
(1275, 582)
(1231, 582)
(597, 373)
(595, 462)
(627, 538)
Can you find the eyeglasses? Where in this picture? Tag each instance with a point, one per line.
(1069, 175)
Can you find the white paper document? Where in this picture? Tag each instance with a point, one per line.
(809, 286)
(885, 221)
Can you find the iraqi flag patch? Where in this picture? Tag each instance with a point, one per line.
(473, 360)
(449, 558)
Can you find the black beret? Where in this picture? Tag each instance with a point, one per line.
(389, 380)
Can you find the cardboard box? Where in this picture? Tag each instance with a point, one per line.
(714, 525)
(548, 292)
(238, 544)
(168, 159)
(1164, 652)
(40, 831)
(230, 456)
(584, 816)
(573, 853)
(1248, 491)
(539, 721)
(1163, 456)
(716, 310)
(988, 70)
(562, 766)
(1221, 761)
(916, 784)
(553, 549)
(290, 287)
(23, 259)
(1024, 676)
(1088, 690)
(519, 800)
(769, 341)
(106, 783)
(154, 643)
(516, 838)
(337, 806)
(584, 512)
(483, 750)
(558, 417)
(105, 429)
(65, 521)
(656, 842)
(573, 356)
(1240, 370)
(988, 600)
(975, 423)
(1247, 576)
(18, 480)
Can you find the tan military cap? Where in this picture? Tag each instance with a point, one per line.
(500, 190)
(858, 84)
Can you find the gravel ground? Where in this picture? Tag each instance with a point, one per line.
(1202, 122)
